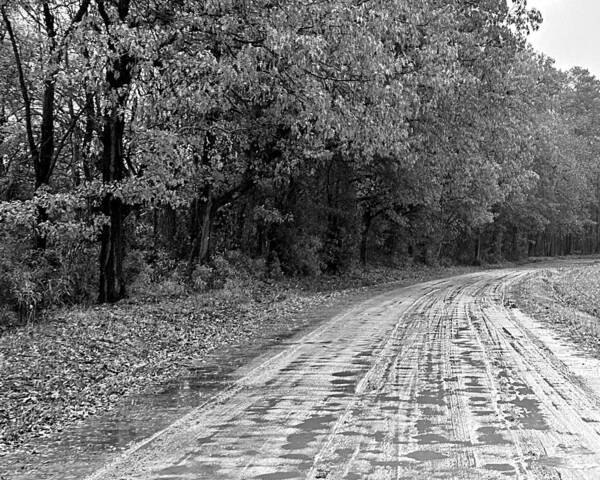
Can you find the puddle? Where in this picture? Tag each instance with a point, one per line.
(316, 423)
(344, 452)
(552, 462)
(528, 413)
(297, 456)
(429, 397)
(423, 425)
(429, 438)
(430, 412)
(308, 432)
(278, 476)
(491, 436)
(426, 455)
(345, 374)
(81, 449)
(391, 464)
(499, 467)
(484, 413)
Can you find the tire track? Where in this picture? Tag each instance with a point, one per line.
(438, 380)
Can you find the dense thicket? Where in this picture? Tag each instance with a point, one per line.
(152, 139)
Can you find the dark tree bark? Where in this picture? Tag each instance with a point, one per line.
(364, 239)
(164, 220)
(44, 162)
(202, 217)
(478, 249)
(113, 168)
(43, 151)
(111, 279)
(203, 210)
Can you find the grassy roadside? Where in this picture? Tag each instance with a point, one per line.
(567, 299)
(79, 362)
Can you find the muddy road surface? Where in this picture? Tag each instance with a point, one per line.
(444, 380)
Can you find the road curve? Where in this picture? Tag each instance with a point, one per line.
(437, 380)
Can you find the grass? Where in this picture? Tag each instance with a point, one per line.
(566, 298)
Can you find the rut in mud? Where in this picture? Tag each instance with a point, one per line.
(439, 380)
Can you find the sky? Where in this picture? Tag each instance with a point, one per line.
(570, 33)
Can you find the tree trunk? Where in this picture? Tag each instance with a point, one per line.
(597, 239)
(530, 248)
(364, 240)
(40, 240)
(498, 240)
(516, 254)
(201, 228)
(43, 161)
(164, 221)
(203, 211)
(478, 249)
(112, 281)
(112, 162)
(43, 167)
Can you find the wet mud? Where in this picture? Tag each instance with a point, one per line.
(438, 380)
(84, 448)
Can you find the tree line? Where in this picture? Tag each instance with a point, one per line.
(155, 135)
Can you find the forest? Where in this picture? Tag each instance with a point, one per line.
(152, 140)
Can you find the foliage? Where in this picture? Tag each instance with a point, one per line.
(140, 146)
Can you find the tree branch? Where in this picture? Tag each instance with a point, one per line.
(23, 85)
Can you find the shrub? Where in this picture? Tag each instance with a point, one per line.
(202, 278)
(32, 279)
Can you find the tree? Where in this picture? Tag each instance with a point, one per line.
(58, 22)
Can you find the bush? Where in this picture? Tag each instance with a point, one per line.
(301, 255)
(202, 278)
(218, 272)
(275, 271)
(33, 279)
(154, 274)
(8, 318)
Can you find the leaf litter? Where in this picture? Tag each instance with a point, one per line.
(79, 362)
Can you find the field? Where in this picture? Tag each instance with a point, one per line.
(568, 299)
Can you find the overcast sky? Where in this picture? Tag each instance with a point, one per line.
(570, 33)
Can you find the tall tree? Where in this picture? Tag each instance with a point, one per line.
(57, 22)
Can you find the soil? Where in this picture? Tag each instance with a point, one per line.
(486, 375)
(445, 379)
(76, 372)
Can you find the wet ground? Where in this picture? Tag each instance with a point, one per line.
(438, 380)
(85, 447)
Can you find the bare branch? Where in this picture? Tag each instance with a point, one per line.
(23, 85)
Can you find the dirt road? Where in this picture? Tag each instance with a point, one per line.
(438, 380)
